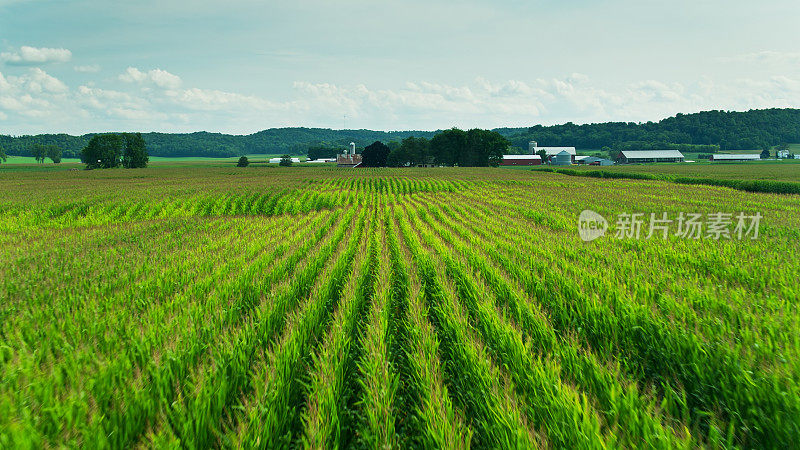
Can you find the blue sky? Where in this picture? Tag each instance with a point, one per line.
(241, 66)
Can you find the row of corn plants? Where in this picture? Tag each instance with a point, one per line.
(477, 383)
(333, 365)
(269, 414)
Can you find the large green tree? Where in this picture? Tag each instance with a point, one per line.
(135, 155)
(54, 153)
(39, 152)
(448, 146)
(3, 155)
(375, 155)
(412, 151)
(103, 151)
(484, 148)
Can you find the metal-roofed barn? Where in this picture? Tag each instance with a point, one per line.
(651, 156)
(731, 157)
(521, 160)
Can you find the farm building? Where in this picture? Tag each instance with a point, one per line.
(278, 160)
(345, 160)
(349, 158)
(593, 161)
(731, 157)
(533, 148)
(321, 160)
(563, 158)
(521, 160)
(651, 156)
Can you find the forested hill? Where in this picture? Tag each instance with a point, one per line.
(273, 141)
(754, 129)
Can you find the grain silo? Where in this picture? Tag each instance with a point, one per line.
(562, 158)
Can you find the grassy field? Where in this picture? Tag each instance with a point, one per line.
(785, 170)
(32, 160)
(379, 308)
(254, 158)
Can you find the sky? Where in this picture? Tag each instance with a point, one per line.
(240, 66)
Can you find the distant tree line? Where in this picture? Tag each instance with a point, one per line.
(454, 147)
(755, 129)
(292, 141)
(641, 145)
(106, 151)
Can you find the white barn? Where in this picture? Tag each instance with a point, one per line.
(733, 157)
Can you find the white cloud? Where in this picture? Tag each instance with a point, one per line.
(91, 68)
(39, 81)
(213, 100)
(32, 56)
(763, 57)
(158, 77)
(155, 100)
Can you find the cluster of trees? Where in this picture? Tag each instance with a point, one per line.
(319, 151)
(454, 147)
(110, 150)
(41, 152)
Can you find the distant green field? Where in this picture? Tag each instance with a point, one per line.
(253, 158)
(785, 170)
(68, 163)
(31, 160)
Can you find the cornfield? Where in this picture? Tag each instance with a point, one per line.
(378, 308)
